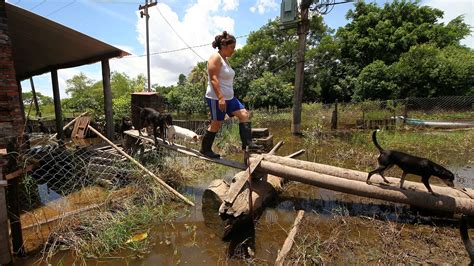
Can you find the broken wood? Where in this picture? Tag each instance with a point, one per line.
(239, 184)
(359, 175)
(5, 251)
(290, 239)
(69, 124)
(157, 179)
(80, 128)
(20, 172)
(263, 190)
(422, 199)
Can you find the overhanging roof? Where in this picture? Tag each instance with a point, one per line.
(41, 45)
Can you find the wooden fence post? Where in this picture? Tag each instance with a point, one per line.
(334, 117)
(5, 254)
(13, 201)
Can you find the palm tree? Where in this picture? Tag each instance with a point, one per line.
(199, 74)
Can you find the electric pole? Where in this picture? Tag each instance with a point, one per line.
(288, 18)
(144, 12)
(303, 28)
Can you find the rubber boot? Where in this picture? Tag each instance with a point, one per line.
(206, 145)
(245, 130)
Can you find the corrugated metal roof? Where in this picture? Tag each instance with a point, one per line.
(41, 45)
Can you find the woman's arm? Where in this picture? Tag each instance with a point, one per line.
(214, 65)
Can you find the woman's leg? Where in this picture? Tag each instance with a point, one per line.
(245, 130)
(217, 118)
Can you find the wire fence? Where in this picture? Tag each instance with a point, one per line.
(375, 114)
(65, 180)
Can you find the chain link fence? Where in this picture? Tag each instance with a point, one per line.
(375, 114)
(61, 181)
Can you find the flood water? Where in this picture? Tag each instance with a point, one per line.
(201, 245)
(192, 240)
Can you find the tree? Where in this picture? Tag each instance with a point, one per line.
(270, 49)
(341, 63)
(427, 71)
(375, 82)
(199, 74)
(269, 91)
(181, 80)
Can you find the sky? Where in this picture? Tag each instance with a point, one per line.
(176, 25)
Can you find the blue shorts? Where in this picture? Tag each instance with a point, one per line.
(232, 105)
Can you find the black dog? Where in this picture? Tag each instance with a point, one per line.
(410, 165)
(126, 125)
(463, 226)
(153, 118)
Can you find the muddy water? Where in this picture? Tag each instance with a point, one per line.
(192, 240)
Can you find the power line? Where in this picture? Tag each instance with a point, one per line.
(61, 8)
(37, 5)
(177, 50)
(178, 34)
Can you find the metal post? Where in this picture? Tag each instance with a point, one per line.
(147, 17)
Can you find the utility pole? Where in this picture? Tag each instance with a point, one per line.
(288, 19)
(144, 12)
(303, 28)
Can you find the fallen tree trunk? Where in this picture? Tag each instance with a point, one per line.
(360, 176)
(422, 199)
(263, 191)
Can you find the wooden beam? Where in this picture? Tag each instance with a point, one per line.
(361, 176)
(161, 182)
(109, 119)
(422, 199)
(57, 104)
(5, 253)
(186, 150)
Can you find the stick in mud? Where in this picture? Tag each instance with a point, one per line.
(290, 239)
(161, 182)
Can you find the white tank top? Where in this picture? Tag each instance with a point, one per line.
(226, 82)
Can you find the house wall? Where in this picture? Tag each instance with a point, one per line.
(11, 120)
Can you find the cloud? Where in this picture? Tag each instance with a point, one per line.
(200, 23)
(230, 5)
(264, 5)
(453, 9)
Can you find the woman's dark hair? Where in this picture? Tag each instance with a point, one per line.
(223, 39)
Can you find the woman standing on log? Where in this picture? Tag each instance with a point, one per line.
(220, 96)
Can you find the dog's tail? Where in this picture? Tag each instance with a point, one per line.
(465, 238)
(374, 139)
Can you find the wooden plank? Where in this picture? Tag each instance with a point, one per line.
(260, 133)
(80, 127)
(69, 124)
(289, 240)
(186, 150)
(237, 186)
(5, 253)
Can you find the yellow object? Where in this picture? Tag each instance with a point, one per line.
(137, 238)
